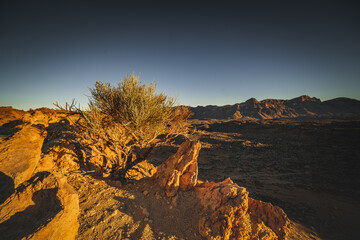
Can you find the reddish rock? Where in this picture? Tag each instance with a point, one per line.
(224, 214)
(180, 170)
(270, 215)
(228, 213)
(225, 211)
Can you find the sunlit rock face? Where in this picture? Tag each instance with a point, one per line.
(226, 211)
(180, 170)
(35, 195)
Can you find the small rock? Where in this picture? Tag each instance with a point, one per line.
(148, 220)
(92, 212)
(145, 193)
(144, 211)
(116, 212)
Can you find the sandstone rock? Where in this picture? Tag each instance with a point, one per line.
(224, 211)
(45, 206)
(180, 170)
(20, 154)
(228, 213)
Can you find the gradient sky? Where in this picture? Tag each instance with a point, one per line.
(203, 53)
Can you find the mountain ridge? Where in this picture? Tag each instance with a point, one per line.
(302, 106)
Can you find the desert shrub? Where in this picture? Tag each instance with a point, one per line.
(125, 122)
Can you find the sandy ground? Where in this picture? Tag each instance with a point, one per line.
(138, 210)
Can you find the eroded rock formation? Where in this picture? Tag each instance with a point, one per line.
(226, 210)
(20, 153)
(180, 170)
(38, 198)
(45, 206)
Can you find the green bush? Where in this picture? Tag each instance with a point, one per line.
(126, 121)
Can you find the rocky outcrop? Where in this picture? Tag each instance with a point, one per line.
(20, 154)
(303, 106)
(270, 215)
(45, 207)
(9, 114)
(34, 195)
(180, 170)
(226, 211)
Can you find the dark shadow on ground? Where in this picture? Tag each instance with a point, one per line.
(7, 130)
(6, 187)
(20, 225)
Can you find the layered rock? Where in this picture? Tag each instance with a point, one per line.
(226, 211)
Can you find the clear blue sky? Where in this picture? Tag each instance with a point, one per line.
(203, 53)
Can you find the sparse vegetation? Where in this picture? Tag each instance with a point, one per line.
(125, 122)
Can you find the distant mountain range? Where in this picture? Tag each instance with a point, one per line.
(303, 106)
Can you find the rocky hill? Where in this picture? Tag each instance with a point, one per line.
(303, 106)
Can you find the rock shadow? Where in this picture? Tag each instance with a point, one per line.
(161, 153)
(6, 187)
(61, 134)
(8, 129)
(177, 216)
(47, 206)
